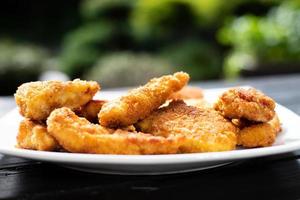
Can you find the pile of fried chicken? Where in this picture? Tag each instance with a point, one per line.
(163, 116)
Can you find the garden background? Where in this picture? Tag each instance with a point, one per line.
(126, 42)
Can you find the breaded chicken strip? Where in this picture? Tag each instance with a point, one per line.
(188, 92)
(250, 104)
(259, 134)
(90, 110)
(140, 102)
(78, 135)
(205, 129)
(36, 100)
(34, 136)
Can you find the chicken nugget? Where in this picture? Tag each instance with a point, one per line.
(242, 123)
(78, 135)
(275, 123)
(140, 102)
(259, 134)
(37, 99)
(90, 110)
(33, 135)
(250, 104)
(205, 129)
(188, 92)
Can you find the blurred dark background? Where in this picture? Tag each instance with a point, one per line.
(125, 42)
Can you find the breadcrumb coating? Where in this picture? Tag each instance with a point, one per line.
(259, 134)
(188, 92)
(163, 116)
(205, 129)
(249, 104)
(90, 110)
(37, 99)
(34, 136)
(140, 102)
(78, 135)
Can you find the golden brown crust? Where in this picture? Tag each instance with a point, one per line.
(37, 99)
(80, 136)
(140, 102)
(242, 123)
(250, 104)
(275, 123)
(205, 129)
(90, 110)
(188, 92)
(34, 136)
(172, 118)
(259, 134)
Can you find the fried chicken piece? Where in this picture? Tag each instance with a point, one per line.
(140, 102)
(37, 99)
(275, 123)
(188, 92)
(259, 134)
(34, 136)
(205, 129)
(250, 104)
(242, 123)
(90, 110)
(78, 135)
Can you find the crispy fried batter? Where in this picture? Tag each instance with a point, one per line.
(188, 92)
(90, 110)
(249, 103)
(242, 123)
(140, 102)
(78, 135)
(275, 123)
(259, 134)
(34, 136)
(205, 129)
(172, 118)
(36, 100)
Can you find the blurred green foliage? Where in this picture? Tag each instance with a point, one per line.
(168, 28)
(82, 47)
(105, 29)
(128, 69)
(19, 63)
(164, 19)
(201, 59)
(109, 10)
(125, 42)
(265, 40)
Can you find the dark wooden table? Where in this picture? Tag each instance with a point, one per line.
(273, 177)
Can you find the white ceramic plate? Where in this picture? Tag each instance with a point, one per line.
(287, 141)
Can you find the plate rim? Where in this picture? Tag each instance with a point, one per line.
(148, 159)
